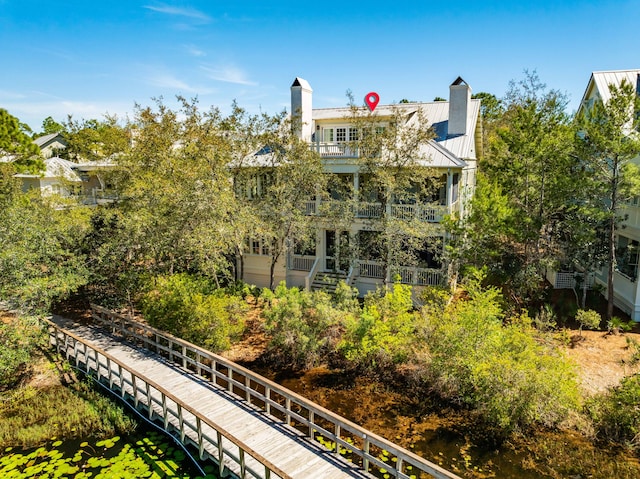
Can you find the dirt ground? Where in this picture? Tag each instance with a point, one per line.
(603, 359)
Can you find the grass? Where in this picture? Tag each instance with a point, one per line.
(30, 416)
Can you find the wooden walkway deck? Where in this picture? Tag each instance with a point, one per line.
(257, 434)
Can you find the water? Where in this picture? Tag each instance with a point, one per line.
(447, 436)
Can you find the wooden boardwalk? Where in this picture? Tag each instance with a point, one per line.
(250, 427)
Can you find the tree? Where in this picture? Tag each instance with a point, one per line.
(530, 159)
(394, 169)
(41, 258)
(608, 141)
(16, 144)
(175, 188)
(49, 125)
(290, 174)
(94, 140)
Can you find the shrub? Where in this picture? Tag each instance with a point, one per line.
(383, 332)
(616, 413)
(588, 319)
(502, 371)
(302, 326)
(191, 308)
(18, 340)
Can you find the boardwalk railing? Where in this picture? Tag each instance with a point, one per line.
(363, 448)
(192, 427)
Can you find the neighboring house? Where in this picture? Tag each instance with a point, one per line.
(452, 154)
(68, 179)
(626, 284)
(51, 145)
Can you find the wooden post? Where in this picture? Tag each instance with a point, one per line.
(220, 454)
(365, 459)
(181, 423)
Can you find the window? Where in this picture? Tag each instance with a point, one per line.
(353, 134)
(255, 246)
(328, 134)
(341, 134)
(627, 257)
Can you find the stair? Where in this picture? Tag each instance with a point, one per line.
(327, 281)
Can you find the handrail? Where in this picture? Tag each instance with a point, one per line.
(314, 270)
(181, 406)
(343, 433)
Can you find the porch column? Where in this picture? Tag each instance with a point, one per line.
(449, 194)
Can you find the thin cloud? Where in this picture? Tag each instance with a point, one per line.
(229, 74)
(180, 12)
(194, 51)
(169, 81)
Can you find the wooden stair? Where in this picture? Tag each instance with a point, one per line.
(327, 281)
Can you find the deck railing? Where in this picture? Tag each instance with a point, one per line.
(363, 447)
(366, 210)
(211, 440)
(334, 150)
(301, 262)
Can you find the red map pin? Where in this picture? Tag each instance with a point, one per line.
(372, 99)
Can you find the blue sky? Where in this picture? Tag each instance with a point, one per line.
(88, 58)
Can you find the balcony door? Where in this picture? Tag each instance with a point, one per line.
(337, 249)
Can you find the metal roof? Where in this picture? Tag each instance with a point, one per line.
(436, 113)
(601, 81)
(41, 141)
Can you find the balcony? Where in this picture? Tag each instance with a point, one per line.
(432, 213)
(334, 150)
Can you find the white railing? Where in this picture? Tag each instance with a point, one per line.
(309, 207)
(192, 427)
(568, 279)
(432, 214)
(308, 280)
(371, 269)
(301, 262)
(309, 418)
(408, 274)
(369, 210)
(334, 150)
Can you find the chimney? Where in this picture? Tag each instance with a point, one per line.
(301, 108)
(459, 100)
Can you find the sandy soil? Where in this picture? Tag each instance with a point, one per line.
(604, 359)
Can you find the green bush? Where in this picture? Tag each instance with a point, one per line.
(501, 371)
(18, 340)
(384, 331)
(588, 319)
(191, 308)
(303, 326)
(616, 414)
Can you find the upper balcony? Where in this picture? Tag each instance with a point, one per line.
(429, 212)
(334, 150)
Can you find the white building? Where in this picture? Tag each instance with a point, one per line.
(626, 284)
(452, 153)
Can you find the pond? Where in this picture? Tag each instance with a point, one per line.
(143, 454)
(447, 437)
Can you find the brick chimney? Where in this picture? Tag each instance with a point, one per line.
(459, 101)
(301, 108)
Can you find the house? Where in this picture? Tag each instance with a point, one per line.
(626, 284)
(51, 144)
(452, 154)
(83, 181)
